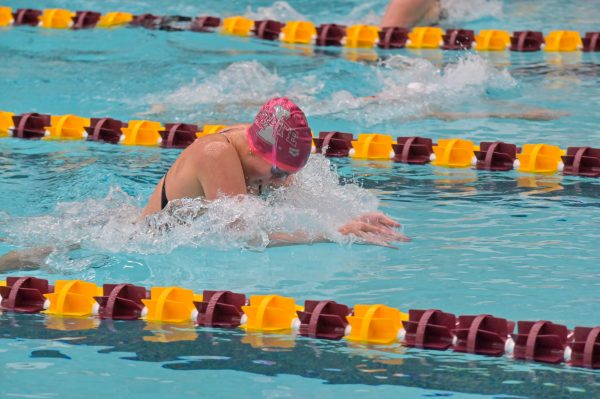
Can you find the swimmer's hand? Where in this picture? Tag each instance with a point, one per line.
(375, 228)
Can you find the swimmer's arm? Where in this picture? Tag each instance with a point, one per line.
(406, 13)
(299, 237)
(27, 259)
(540, 114)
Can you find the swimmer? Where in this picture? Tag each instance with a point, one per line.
(410, 13)
(244, 159)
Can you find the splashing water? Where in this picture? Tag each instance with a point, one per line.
(403, 88)
(311, 204)
(412, 88)
(234, 91)
(278, 11)
(367, 13)
(471, 10)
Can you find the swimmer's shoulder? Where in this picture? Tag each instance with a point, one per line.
(212, 151)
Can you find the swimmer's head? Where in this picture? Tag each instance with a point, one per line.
(280, 135)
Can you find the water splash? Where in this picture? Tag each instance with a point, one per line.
(413, 88)
(278, 11)
(311, 204)
(403, 88)
(367, 13)
(471, 10)
(234, 91)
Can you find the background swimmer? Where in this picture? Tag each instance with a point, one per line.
(409, 13)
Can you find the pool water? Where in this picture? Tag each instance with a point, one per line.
(515, 245)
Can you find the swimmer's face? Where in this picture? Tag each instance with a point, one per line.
(267, 174)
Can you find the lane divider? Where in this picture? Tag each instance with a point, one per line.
(432, 329)
(447, 152)
(305, 32)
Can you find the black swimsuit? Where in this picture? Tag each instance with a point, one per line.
(163, 195)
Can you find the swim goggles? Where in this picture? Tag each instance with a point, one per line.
(277, 173)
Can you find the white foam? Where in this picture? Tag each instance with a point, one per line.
(471, 10)
(402, 87)
(279, 11)
(414, 87)
(367, 13)
(239, 90)
(311, 204)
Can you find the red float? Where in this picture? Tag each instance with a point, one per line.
(24, 294)
(323, 319)
(483, 334)
(540, 341)
(429, 329)
(121, 301)
(413, 150)
(220, 309)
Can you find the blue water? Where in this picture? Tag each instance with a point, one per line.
(515, 245)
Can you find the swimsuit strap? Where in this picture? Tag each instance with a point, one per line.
(225, 131)
(163, 197)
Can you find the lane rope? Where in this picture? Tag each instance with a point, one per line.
(448, 153)
(487, 335)
(307, 33)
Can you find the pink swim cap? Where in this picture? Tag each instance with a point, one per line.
(280, 135)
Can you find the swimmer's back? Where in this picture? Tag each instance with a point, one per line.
(206, 157)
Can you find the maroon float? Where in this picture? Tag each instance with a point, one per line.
(429, 329)
(526, 41)
(496, 156)
(336, 144)
(323, 319)
(121, 301)
(540, 341)
(586, 347)
(220, 309)
(267, 29)
(205, 23)
(85, 19)
(582, 161)
(483, 334)
(458, 39)
(27, 16)
(413, 150)
(24, 294)
(30, 125)
(393, 37)
(178, 135)
(105, 129)
(330, 34)
(591, 41)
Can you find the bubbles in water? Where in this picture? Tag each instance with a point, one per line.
(315, 204)
(278, 11)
